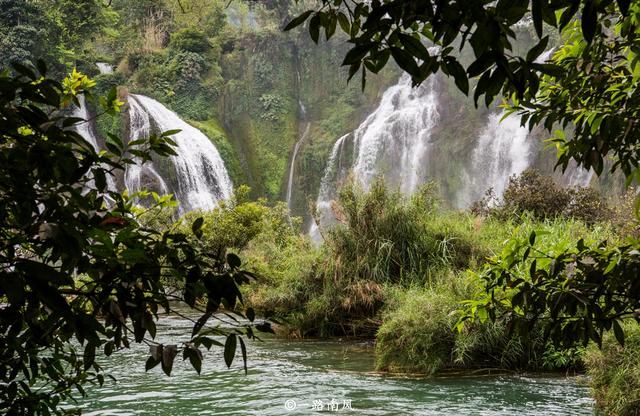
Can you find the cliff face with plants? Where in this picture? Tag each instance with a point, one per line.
(274, 103)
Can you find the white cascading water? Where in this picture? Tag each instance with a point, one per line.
(328, 189)
(201, 177)
(139, 176)
(394, 139)
(576, 176)
(104, 68)
(502, 150)
(85, 130)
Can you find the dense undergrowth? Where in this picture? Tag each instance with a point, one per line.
(398, 268)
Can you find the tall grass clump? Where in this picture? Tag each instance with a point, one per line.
(614, 372)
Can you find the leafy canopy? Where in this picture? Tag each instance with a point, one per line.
(80, 274)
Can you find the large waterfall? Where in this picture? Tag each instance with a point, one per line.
(200, 177)
(394, 140)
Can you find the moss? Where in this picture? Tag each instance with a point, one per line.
(218, 136)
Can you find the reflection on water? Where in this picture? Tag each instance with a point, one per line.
(308, 371)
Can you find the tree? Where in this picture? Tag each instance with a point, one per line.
(77, 265)
(590, 83)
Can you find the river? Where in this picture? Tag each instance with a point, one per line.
(291, 377)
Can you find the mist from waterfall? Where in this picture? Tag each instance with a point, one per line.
(200, 175)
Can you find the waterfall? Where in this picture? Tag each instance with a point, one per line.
(577, 176)
(85, 129)
(502, 150)
(292, 166)
(104, 68)
(394, 139)
(139, 176)
(328, 189)
(200, 175)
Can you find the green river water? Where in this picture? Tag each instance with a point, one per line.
(285, 375)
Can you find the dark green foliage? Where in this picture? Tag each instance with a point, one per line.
(190, 40)
(80, 274)
(23, 32)
(578, 291)
(537, 194)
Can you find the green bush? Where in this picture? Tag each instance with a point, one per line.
(190, 40)
(537, 194)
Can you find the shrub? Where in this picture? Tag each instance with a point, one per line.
(190, 40)
(537, 194)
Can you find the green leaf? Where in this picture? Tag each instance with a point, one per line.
(454, 68)
(230, 349)
(314, 27)
(196, 227)
(537, 50)
(298, 20)
(89, 355)
(200, 323)
(405, 61)
(168, 133)
(618, 332)
(589, 20)
(343, 21)
(151, 362)
(251, 315)
(356, 54)
(169, 353)
(624, 6)
(413, 46)
(233, 260)
(195, 358)
(243, 348)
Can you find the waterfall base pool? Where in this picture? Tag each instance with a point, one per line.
(302, 377)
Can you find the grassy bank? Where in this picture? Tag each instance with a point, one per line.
(397, 269)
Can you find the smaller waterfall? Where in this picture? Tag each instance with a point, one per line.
(394, 139)
(200, 175)
(104, 68)
(328, 190)
(292, 166)
(502, 150)
(577, 176)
